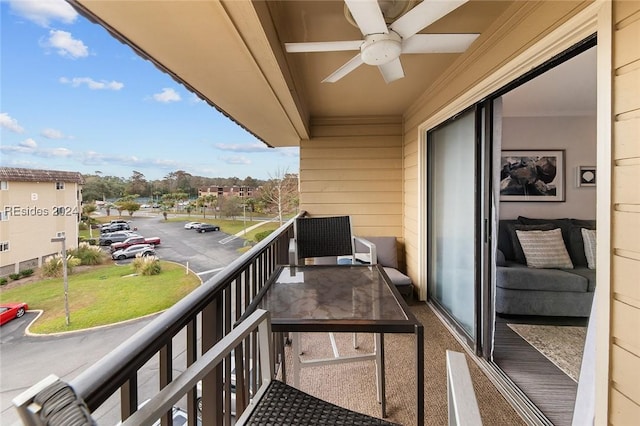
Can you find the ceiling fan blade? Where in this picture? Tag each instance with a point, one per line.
(323, 46)
(391, 71)
(353, 63)
(423, 15)
(438, 43)
(368, 16)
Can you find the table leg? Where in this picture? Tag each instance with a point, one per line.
(380, 373)
(295, 356)
(419, 331)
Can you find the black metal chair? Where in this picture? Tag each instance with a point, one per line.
(326, 236)
(285, 405)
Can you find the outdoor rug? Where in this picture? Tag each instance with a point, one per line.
(562, 345)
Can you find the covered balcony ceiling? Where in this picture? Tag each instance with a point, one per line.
(232, 54)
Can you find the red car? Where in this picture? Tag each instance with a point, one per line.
(9, 311)
(154, 241)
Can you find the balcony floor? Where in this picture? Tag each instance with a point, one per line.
(353, 385)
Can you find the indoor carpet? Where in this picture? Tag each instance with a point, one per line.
(562, 345)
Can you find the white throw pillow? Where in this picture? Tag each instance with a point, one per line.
(589, 238)
(544, 249)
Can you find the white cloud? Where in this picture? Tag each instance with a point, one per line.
(54, 153)
(237, 159)
(92, 84)
(10, 123)
(29, 144)
(195, 99)
(246, 147)
(52, 134)
(66, 45)
(42, 12)
(167, 95)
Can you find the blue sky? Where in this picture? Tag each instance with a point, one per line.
(74, 98)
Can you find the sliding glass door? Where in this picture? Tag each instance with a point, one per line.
(453, 189)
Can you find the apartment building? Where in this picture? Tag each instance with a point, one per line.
(36, 206)
(227, 191)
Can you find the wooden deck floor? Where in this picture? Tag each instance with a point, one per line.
(548, 387)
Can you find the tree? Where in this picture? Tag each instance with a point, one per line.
(128, 205)
(232, 207)
(137, 185)
(281, 192)
(87, 209)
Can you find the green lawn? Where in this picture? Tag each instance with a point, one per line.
(103, 295)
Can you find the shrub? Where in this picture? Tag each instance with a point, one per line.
(52, 266)
(262, 235)
(26, 272)
(82, 226)
(89, 254)
(15, 276)
(3, 281)
(147, 265)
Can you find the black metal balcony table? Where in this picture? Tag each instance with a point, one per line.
(342, 298)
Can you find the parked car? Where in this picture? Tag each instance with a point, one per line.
(133, 251)
(233, 388)
(116, 237)
(205, 227)
(113, 227)
(180, 417)
(154, 241)
(9, 311)
(191, 225)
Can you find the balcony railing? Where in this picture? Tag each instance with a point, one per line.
(202, 318)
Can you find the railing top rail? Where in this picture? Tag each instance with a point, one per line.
(103, 378)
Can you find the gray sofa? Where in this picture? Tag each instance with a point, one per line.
(521, 290)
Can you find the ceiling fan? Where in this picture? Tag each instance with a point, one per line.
(383, 44)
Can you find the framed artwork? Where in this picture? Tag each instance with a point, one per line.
(532, 175)
(586, 176)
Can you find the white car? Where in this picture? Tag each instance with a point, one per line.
(233, 389)
(133, 251)
(191, 225)
(179, 416)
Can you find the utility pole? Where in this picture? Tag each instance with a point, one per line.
(62, 240)
(244, 217)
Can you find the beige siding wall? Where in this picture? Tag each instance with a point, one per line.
(354, 167)
(624, 388)
(29, 231)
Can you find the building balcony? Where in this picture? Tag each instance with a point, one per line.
(177, 338)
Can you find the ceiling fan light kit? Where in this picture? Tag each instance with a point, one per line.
(379, 49)
(385, 41)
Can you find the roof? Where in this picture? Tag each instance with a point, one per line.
(14, 174)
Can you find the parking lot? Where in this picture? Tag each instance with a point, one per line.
(205, 253)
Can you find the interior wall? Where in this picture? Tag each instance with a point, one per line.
(575, 135)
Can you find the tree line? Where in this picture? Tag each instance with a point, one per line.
(179, 191)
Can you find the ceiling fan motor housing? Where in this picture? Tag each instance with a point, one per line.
(379, 49)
